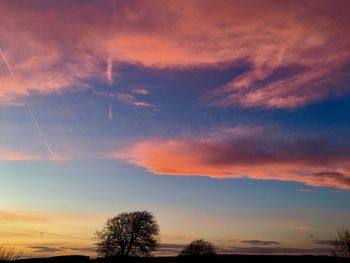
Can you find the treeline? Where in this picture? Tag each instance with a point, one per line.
(189, 259)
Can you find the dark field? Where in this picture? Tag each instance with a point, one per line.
(219, 258)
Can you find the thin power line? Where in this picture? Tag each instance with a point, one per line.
(51, 234)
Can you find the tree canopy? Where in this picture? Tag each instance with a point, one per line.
(128, 234)
(342, 243)
(199, 247)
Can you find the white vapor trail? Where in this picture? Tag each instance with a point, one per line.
(40, 132)
(3, 57)
(8, 66)
(110, 112)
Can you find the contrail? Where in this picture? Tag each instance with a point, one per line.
(40, 132)
(8, 66)
(110, 112)
(3, 57)
(109, 75)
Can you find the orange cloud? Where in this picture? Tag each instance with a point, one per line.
(27, 229)
(60, 46)
(260, 156)
(23, 217)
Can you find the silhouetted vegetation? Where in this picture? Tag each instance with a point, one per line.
(342, 243)
(217, 259)
(199, 247)
(128, 234)
(132, 237)
(8, 252)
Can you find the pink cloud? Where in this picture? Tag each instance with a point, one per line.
(262, 156)
(61, 46)
(140, 91)
(109, 71)
(144, 104)
(16, 155)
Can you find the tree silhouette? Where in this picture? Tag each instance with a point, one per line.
(128, 234)
(342, 243)
(199, 247)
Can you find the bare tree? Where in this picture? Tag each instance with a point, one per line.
(128, 234)
(342, 243)
(199, 247)
(8, 252)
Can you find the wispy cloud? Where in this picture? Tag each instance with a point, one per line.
(324, 242)
(276, 250)
(315, 162)
(174, 249)
(169, 249)
(257, 242)
(21, 217)
(127, 99)
(293, 57)
(144, 104)
(306, 190)
(109, 71)
(80, 249)
(16, 155)
(45, 249)
(18, 216)
(140, 91)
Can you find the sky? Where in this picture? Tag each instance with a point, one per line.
(228, 120)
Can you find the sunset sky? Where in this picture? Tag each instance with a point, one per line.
(228, 120)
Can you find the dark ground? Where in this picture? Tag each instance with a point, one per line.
(219, 259)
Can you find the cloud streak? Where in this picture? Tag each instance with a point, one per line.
(257, 242)
(174, 249)
(276, 251)
(109, 72)
(305, 190)
(26, 218)
(324, 242)
(16, 155)
(127, 99)
(140, 91)
(263, 156)
(45, 249)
